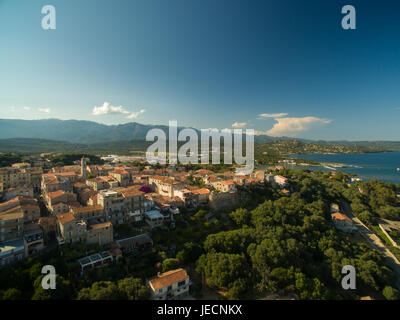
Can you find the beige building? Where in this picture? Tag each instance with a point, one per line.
(74, 230)
(11, 225)
(224, 186)
(171, 285)
(165, 186)
(15, 176)
(122, 176)
(27, 205)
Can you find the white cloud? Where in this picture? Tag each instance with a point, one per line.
(107, 108)
(27, 108)
(292, 126)
(272, 115)
(134, 115)
(45, 110)
(239, 124)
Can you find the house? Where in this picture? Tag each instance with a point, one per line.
(171, 285)
(92, 231)
(122, 176)
(27, 205)
(165, 186)
(154, 218)
(280, 181)
(141, 241)
(201, 195)
(11, 193)
(95, 260)
(224, 186)
(33, 238)
(11, 251)
(343, 222)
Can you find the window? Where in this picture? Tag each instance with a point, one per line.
(181, 283)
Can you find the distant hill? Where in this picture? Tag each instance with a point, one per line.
(77, 131)
(54, 135)
(74, 131)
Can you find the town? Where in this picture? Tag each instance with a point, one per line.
(100, 212)
(86, 204)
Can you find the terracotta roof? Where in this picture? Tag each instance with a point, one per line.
(168, 278)
(65, 217)
(340, 216)
(201, 191)
(165, 179)
(89, 208)
(55, 194)
(100, 225)
(227, 182)
(120, 171)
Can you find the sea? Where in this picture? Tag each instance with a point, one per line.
(381, 166)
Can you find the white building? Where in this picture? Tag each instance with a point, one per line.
(171, 285)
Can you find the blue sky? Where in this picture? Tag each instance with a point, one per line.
(206, 64)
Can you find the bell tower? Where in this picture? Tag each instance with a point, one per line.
(83, 168)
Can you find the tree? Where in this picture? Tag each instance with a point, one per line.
(12, 294)
(102, 290)
(133, 289)
(170, 264)
(240, 217)
(190, 253)
(223, 269)
(391, 293)
(62, 292)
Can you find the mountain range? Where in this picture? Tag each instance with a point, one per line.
(78, 131)
(71, 135)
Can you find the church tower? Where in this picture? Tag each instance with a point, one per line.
(83, 168)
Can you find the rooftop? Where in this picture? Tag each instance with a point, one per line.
(168, 278)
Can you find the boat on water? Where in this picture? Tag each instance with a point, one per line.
(398, 169)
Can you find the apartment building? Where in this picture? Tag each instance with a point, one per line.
(74, 230)
(33, 238)
(16, 175)
(11, 251)
(113, 203)
(88, 212)
(28, 206)
(154, 218)
(51, 182)
(122, 176)
(11, 193)
(224, 186)
(11, 225)
(60, 201)
(171, 285)
(165, 186)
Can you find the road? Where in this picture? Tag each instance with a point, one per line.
(372, 239)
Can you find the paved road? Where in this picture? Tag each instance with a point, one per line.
(375, 241)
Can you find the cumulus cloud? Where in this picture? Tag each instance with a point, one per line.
(45, 110)
(134, 115)
(272, 115)
(291, 127)
(107, 109)
(239, 124)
